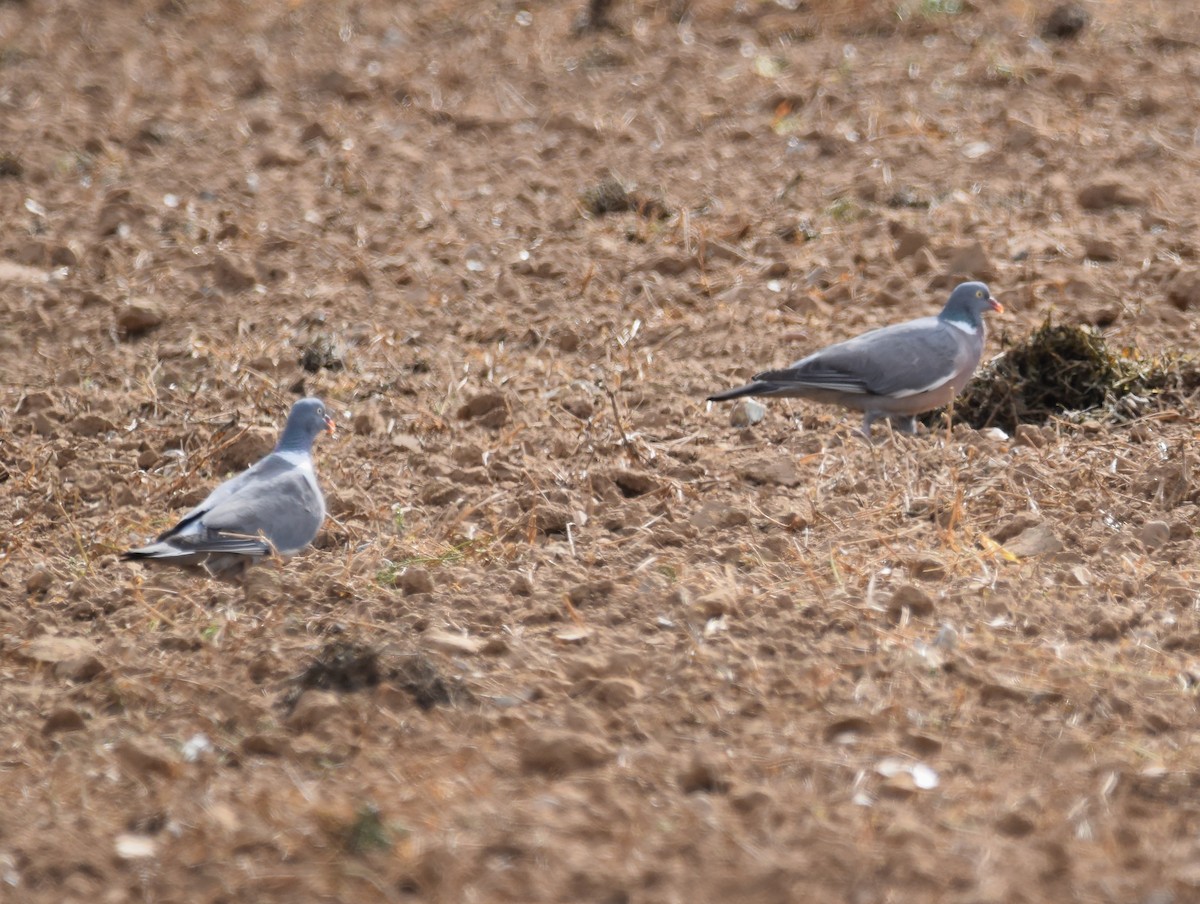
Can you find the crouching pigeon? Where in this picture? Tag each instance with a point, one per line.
(275, 506)
(896, 371)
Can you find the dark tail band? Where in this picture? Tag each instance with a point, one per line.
(749, 389)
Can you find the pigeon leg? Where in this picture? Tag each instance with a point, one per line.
(869, 417)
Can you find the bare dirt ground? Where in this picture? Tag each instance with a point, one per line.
(568, 635)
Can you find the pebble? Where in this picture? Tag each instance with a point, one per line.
(314, 708)
(144, 756)
(39, 581)
(137, 318)
(1107, 193)
(560, 752)
(912, 598)
(63, 719)
(1154, 534)
(778, 472)
(453, 642)
(414, 580)
(746, 413)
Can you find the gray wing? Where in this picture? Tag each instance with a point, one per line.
(275, 500)
(263, 468)
(896, 361)
(287, 508)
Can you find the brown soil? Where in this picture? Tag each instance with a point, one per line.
(567, 635)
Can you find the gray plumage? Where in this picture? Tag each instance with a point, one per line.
(896, 371)
(275, 506)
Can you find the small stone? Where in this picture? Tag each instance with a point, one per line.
(1183, 290)
(1034, 541)
(414, 580)
(495, 646)
(481, 404)
(1029, 435)
(63, 719)
(368, 423)
(266, 744)
(35, 401)
(488, 408)
(344, 86)
(323, 353)
(139, 317)
(135, 846)
(746, 413)
(899, 786)
(704, 774)
(313, 709)
(924, 262)
(229, 277)
(79, 670)
(671, 264)
(1182, 530)
(970, 262)
(1107, 193)
(925, 568)
(561, 752)
(713, 605)
(141, 757)
(278, 156)
(1065, 21)
(39, 581)
(451, 642)
(1154, 534)
(773, 471)
(1098, 249)
(634, 483)
(92, 425)
(591, 593)
(1014, 824)
(54, 650)
(908, 241)
(912, 598)
(43, 425)
(617, 692)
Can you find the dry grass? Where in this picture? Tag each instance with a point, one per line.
(567, 635)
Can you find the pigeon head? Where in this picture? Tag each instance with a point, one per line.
(968, 302)
(307, 419)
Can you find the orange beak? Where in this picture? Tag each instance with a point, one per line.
(330, 427)
(996, 306)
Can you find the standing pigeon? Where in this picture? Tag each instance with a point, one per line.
(275, 506)
(896, 371)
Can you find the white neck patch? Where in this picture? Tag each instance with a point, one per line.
(297, 459)
(963, 327)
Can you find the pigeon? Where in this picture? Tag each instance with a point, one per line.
(897, 371)
(274, 506)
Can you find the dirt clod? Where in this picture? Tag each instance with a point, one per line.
(342, 666)
(656, 658)
(136, 318)
(322, 353)
(610, 196)
(1065, 21)
(561, 752)
(63, 719)
(912, 598)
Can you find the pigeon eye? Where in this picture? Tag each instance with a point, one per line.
(979, 293)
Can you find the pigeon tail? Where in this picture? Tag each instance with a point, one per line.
(750, 389)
